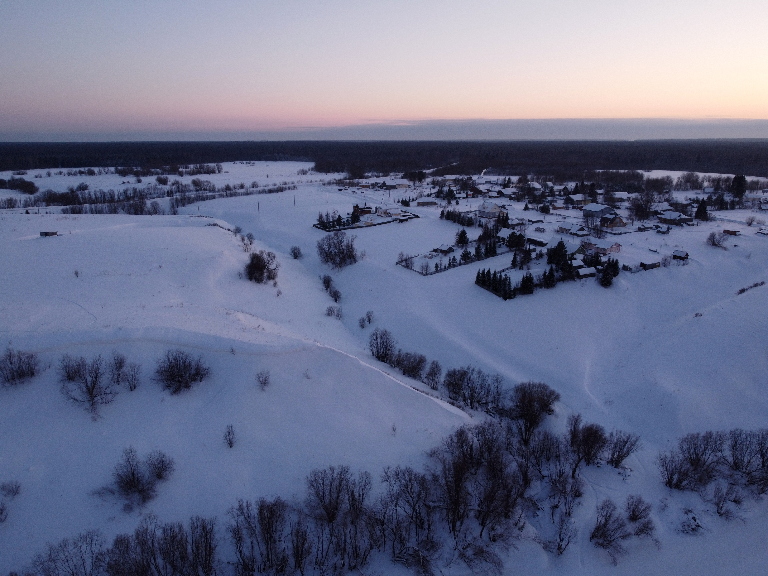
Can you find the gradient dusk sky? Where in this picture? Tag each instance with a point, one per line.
(156, 69)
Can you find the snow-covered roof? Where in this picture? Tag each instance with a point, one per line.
(594, 207)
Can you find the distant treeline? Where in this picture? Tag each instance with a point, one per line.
(563, 160)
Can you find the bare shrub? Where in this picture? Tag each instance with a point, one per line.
(716, 239)
(335, 294)
(410, 363)
(566, 533)
(17, 366)
(722, 495)
(361, 322)
(369, 316)
(586, 441)
(295, 252)
(610, 529)
(10, 489)
(336, 250)
(327, 282)
(131, 478)
(177, 371)
(136, 480)
(750, 220)
(262, 378)
(229, 436)
(620, 446)
(638, 514)
(262, 267)
(132, 375)
(3, 512)
(86, 383)
(117, 367)
(159, 465)
(333, 312)
(694, 462)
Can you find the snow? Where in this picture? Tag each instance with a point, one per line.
(661, 353)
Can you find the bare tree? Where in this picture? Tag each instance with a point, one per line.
(620, 446)
(530, 403)
(586, 441)
(432, 377)
(86, 383)
(382, 345)
(85, 555)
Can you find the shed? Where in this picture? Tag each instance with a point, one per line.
(46, 234)
(586, 273)
(680, 255)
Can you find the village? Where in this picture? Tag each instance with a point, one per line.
(518, 224)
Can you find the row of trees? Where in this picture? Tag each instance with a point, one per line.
(20, 184)
(334, 221)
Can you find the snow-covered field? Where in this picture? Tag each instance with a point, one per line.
(660, 354)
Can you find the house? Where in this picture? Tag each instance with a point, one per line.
(602, 247)
(586, 273)
(360, 211)
(612, 221)
(680, 255)
(489, 210)
(674, 218)
(572, 228)
(572, 247)
(593, 210)
(576, 199)
(534, 241)
(443, 249)
(661, 207)
(650, 265)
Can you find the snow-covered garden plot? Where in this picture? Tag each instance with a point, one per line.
(659, 354)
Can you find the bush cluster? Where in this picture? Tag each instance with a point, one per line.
(337, 250)
(136, 480)
(178, 370)
(17, 366)
(262, 267)
(736, 457)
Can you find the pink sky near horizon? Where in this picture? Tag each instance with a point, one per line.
(90, 66)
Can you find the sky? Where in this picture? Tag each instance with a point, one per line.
(239, 69)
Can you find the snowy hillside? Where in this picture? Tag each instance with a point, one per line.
(660, 354)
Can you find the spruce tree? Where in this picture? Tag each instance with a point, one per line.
(701, 211)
